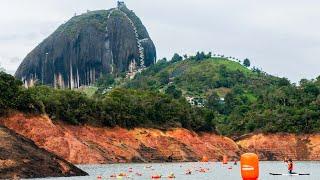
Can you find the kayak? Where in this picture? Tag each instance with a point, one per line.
(292, 174)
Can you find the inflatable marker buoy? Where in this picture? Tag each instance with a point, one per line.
(156, 177)
(204, 159)
(249, 166)
(99, 177)
(225, 159)
(122, 175)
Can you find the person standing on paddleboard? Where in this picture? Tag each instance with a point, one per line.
(290, 166)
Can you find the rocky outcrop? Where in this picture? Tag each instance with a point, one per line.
(280, 146)
(87, 144)
(21, 158)
(87, 47)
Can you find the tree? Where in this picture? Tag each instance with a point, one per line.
(9, 90)
(257, 70)
(283, 82)
(162, 60)
(200, 56)
(164, 78)
(318, 79)
(213, 101)
(185, 56)
(246, 62)
(176, 58)
(173, 91)
(311, 88)
(105, 81)
(209, 55)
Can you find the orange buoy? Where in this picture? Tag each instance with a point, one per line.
(204, 159)
(156, 177)
(249, 166)
(225, 159)
(122, 174)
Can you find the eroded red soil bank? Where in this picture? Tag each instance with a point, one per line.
(87, 144)
(90, 145)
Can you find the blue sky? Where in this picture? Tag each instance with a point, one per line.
(281, 37)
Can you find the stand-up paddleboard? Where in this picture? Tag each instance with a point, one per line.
(292, 174)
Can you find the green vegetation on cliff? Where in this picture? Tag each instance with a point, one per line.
(226, 97)
(97, 19)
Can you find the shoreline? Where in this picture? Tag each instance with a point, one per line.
(229, 163)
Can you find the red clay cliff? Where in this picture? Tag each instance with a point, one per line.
(91, 145)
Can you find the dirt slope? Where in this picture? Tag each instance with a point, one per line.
(90, 145)
(279, 146)
(21, 158)
(87, 144)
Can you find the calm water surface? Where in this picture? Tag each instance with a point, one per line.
(216, 171)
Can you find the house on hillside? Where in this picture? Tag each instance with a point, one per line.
(195, 101)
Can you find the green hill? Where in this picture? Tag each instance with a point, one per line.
(243, 100)
(200, 78)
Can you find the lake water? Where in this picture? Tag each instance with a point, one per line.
(215, 171)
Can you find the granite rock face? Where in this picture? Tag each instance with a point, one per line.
(87, 47)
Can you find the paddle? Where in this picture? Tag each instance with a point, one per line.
(293, 174)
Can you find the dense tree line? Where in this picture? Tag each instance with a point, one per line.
(280, 107)
(14, 96)
(121, 107)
